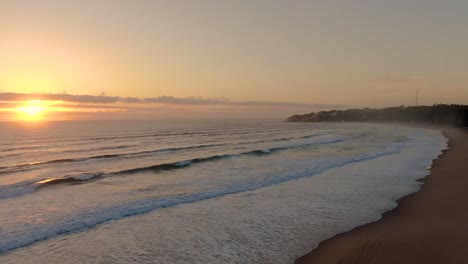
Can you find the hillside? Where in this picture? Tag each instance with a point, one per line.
(440, 114)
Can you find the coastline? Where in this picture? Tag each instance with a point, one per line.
(428, 226)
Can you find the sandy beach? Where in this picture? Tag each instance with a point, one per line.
(429, 226)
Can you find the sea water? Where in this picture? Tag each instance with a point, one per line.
(197, 191)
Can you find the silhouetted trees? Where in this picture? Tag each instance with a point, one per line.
(440, 114)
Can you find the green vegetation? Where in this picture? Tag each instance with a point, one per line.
(440, 114)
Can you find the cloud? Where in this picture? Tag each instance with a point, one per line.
(183, 101)
(280, 104)
(61, 97)
(168, 100)
(4, 105)
(89, 106)
(130, 100)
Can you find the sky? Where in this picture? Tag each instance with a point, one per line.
(207, 58)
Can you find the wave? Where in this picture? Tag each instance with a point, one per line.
(186, 163)
(26, 166)
(21, 148)
(71, 179)
(72, 141)
(97, 149)
(43, 143)
(29, 187)
(88, 219)
(45, 151)
(17, 189)
(205, 132)
(29, 166)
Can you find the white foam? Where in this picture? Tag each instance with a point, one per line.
(270, 218)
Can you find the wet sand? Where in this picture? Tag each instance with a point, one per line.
(429, 226)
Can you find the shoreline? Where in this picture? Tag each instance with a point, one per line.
(427, 226)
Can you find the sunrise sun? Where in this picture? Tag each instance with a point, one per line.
(33, 110)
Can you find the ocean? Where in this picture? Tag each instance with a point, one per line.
(198, 191)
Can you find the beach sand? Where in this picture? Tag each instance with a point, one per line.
(429, 226)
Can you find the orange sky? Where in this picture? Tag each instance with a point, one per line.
(64, 106)
(307, 54)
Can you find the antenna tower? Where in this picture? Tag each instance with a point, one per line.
(416, 97)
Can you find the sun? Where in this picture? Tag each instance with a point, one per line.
(32, 110)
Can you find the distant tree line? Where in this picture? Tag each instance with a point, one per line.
(440, 114)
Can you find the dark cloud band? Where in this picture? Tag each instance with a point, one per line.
(104, 99)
